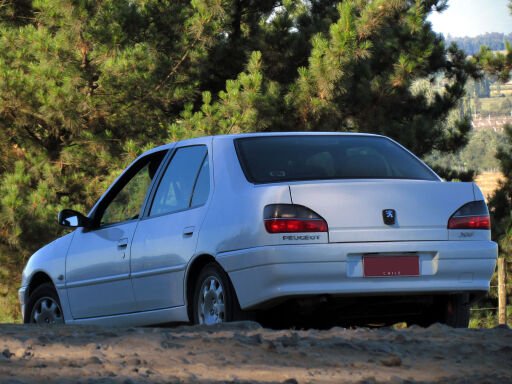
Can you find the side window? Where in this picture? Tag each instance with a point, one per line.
(127, 202)
(177, 185)
(202, 188)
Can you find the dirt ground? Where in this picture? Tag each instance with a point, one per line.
(246, 353)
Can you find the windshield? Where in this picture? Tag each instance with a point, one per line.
(267, 159)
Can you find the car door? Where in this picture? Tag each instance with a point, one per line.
(166, 237)
(98, 260)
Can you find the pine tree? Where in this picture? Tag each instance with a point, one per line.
(367, 67)
(84, 88)
(496, 64)
(361, 59)
(246, 105)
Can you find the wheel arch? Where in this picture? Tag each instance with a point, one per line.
(193, 272)
(41, 287)
(197, 264)
(38, 279)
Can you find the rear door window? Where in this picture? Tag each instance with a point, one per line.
(202, 188)
(267, 159)
(176, 189)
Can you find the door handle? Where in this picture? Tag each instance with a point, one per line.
(122, 243)
(188, 231)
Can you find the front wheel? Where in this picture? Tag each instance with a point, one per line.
(43, 306)
(214, 298)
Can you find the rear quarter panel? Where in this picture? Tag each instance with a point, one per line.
(235, 216)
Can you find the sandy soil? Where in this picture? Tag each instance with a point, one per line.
(246, 353)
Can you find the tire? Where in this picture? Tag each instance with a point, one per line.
(214, 297)
(452, 310)
(43, 306)
(457, 311)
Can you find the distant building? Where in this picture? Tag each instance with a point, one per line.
(495, 123)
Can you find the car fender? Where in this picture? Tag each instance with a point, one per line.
(51, 260)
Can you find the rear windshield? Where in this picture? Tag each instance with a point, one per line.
(267, 159)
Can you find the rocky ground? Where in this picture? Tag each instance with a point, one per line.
(246, 353)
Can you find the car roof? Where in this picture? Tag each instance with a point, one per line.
(248, 135)
(258, 134)
(254, 134)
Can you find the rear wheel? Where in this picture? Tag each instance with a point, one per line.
(452, 310)
(457, 311)
(214, 298)
(43, 306)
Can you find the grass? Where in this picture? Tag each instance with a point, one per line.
(488, 319)
(9, 309)
(7, 317)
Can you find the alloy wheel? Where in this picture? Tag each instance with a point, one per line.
(211, 303)
(46, 311)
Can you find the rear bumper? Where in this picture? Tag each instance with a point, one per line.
(263, 274)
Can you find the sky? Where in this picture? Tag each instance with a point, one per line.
(473, 17)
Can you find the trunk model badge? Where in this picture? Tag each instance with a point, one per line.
(389, 216)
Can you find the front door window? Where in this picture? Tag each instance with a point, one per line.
(127, 203)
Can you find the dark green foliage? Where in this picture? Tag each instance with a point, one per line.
(477, 156)
(501, 202)
(450, 174)
(16, 12)
(365, 68)
(500, 206)
(498, 65)
(84, 88)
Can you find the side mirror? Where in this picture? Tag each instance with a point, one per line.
(72, 219)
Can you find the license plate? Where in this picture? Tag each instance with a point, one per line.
(391, 266)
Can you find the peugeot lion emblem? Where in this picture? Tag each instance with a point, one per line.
(389, 216)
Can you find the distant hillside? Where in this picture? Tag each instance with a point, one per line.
(471, 45)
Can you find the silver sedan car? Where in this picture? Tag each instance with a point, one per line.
(222, 228)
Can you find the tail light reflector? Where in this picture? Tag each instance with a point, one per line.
(291, 218)
(474, 215)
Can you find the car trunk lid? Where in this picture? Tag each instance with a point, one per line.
(354, 209)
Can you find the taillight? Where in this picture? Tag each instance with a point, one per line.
(473, 215)
(289, 218)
